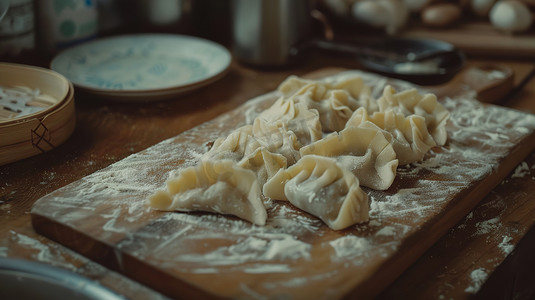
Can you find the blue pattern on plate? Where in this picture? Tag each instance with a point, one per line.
(142, 62)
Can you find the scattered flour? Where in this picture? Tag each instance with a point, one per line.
(469, 215)
(488, 226)
(506, 245)
(387, 230)
(478, 277)
(521, 171)
(374, 223)
(40, 251)
(496, 74)
(267, 268)
(350, 245)
(5, 207)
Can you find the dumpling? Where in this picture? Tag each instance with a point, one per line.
(264, 163)
(335, 102)
(408, 135)
(320, 186)
(364, 151)
(356, 87)
(276, 137)
(242, 147)
(235, 146)
(302, 121)
(214, 186)
(334, 110)
(294, 85)
(410, 102)
(359, 92)
(334, 106)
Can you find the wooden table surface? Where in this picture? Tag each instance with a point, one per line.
(495, 241)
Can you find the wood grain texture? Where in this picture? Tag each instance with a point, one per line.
(483, 240)
(103, 215)
(480, 38)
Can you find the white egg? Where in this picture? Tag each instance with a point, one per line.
(511, 16)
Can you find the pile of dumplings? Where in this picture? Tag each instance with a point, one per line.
(316, 147)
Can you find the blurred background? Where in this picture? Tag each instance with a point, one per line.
(33, 31)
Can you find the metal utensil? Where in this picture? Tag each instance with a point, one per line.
(266, 31)
(277, 32)
(23, 279)
(422, 61)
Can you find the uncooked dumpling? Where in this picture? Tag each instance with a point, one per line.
(364, 151)
(410, 102)
(408, 135)
(235, 146)
(298, 118)
(335, 102)
(264, 163)
(294, 85)
(356, 87)
(323, 188)
(360, 93)
(242, 147)
(334, 110)
(285, 152)
(214, 186)
(334, 106)
(276, 137)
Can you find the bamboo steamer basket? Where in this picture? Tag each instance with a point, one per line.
(31, 134)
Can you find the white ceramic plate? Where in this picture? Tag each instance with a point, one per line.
(143, 67)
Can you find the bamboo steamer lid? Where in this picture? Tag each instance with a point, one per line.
(27, 134)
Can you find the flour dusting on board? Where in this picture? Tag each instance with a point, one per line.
(488, 226)
(521, 171)
(478, 277)
(506, 246)
(350, 246)
(293, 249)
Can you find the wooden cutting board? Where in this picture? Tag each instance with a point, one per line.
(479, 37)
(104, 217)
